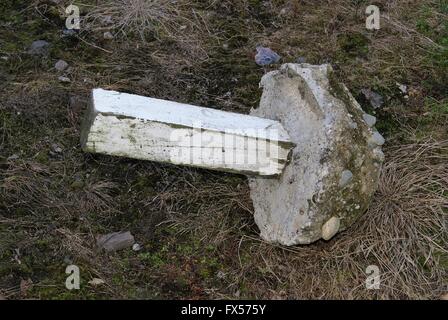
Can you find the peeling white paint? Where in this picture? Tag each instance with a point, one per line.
(152, 129)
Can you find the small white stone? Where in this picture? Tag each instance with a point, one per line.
(330, 228)
(403, 88)
(136, 247)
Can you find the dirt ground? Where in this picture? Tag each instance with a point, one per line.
(195, 227)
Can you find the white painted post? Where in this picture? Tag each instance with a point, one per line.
(133, 126)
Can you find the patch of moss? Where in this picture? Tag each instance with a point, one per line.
(42, 157)
(354, 44)
(153, 259)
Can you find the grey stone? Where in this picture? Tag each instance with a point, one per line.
(376, 139)
(346, 178)
(39, 47)
(266, 56)
(370, 120)
(61, 65)
(116, 241)
(307, 202)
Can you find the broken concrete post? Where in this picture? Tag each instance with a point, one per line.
(138, 127)
(312, 192)
(334, 167)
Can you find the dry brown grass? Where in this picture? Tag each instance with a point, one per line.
(404, 233)
(151, 19)
(137, 16)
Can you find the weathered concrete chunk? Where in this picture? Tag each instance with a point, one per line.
(334, 167)
(115, 241)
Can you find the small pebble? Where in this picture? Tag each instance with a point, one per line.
(330, 228)
(266, 56)
(61, 65)
(136, 247)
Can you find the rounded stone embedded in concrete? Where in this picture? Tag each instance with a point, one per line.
(369, 119)
(330, 228)
(346, 178)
